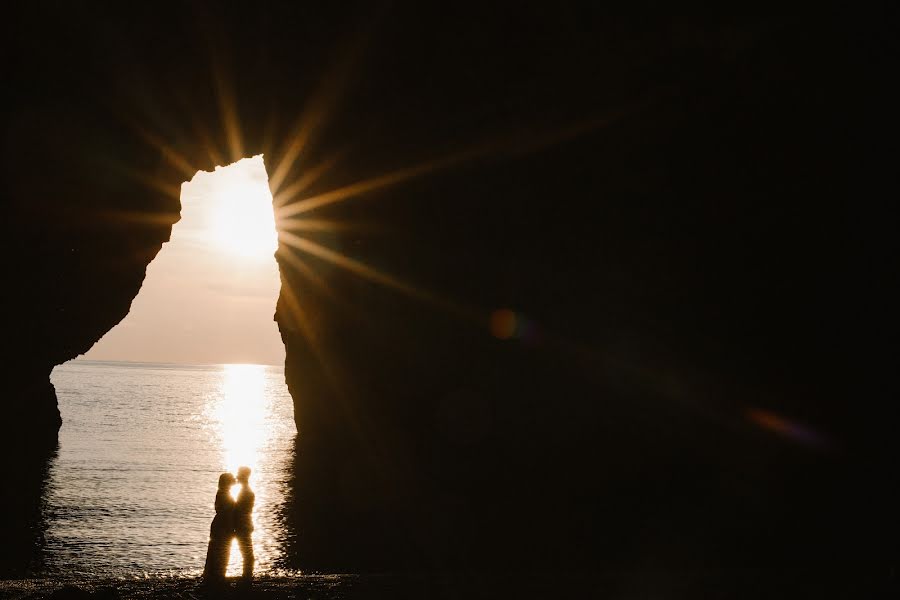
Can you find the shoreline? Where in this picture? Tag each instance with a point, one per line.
(800, 583)
(189, 587)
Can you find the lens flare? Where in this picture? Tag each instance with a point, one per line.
(506, 324)
(784, 427)
(503, 324)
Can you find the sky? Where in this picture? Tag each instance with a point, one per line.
(209, 295)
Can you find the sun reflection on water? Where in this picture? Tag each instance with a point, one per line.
(242, 416)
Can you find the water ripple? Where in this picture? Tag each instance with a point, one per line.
(132, 487)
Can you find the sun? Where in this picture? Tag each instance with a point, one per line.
(242, 220)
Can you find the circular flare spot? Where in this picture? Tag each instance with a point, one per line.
(503, 324)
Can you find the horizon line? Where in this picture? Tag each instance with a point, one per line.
(162, 362)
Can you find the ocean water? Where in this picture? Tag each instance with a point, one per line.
(130, 491)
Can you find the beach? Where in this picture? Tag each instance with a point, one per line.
(732, 584)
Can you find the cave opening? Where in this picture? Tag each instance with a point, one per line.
(188, 385)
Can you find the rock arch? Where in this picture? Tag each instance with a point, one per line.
(600, 212)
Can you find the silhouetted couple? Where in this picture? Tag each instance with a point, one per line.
(234, 519)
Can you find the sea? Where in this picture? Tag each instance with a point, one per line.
(130, 490)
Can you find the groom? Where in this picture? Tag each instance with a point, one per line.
(243, 520)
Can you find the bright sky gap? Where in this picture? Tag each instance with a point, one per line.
(209, 296)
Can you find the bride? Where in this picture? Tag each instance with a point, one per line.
(220, 532)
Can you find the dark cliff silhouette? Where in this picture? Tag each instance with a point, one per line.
(656, 204)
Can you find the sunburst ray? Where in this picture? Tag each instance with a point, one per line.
(289, 155)
(207, 142)
(328, 226)
(365, 271)
(170, 154)
(171, 191)
(142, 217)
(323, 102)
(295, 317)
(309, 177)
(309, 274)
(300, 321)
(509, 144)
(355, 189)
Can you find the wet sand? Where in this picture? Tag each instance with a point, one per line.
(662, 585)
